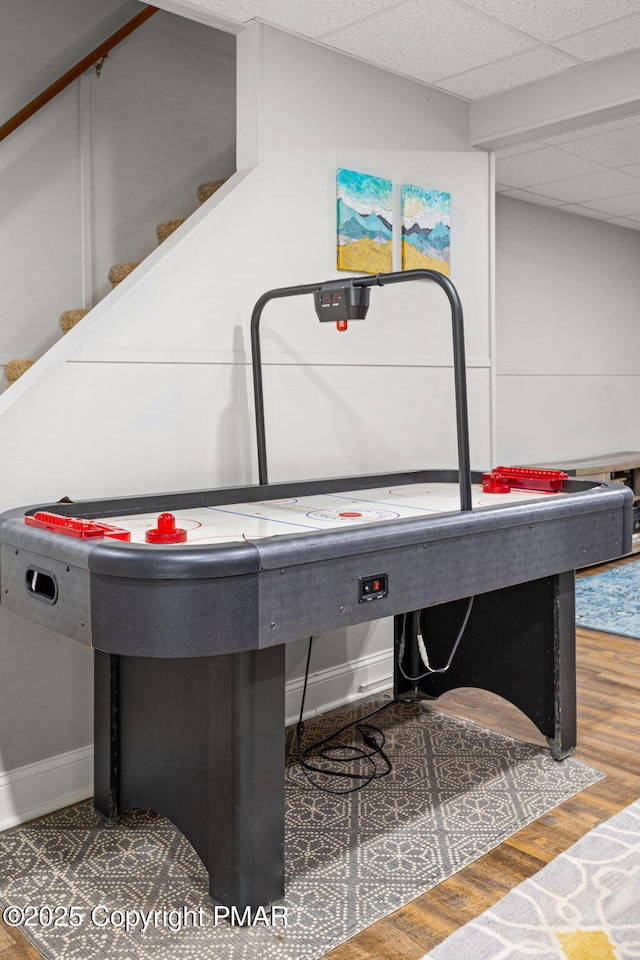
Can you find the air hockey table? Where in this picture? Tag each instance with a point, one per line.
(188, 600)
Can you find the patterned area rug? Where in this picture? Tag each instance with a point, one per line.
(456, 791)
(610, 601)
(585, 905)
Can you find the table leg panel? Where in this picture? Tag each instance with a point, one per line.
(201, 741)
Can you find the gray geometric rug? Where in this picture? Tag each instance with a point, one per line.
(609, 601)
(456, 791)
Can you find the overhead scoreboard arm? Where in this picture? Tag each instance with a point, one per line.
(348, 299)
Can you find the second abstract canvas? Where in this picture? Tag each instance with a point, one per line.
(426, 228)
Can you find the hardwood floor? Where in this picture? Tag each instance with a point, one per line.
(608, 728)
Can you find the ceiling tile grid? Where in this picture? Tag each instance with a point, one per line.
(590, 187)
(514, 71)
(442, 42)
(530, 198)
(583, 211)
(605, 41)
(627, 205)
(310, 18)
(617, 148)
(608, 191)
(550, 21)
(515, 148)
(591, 130)
(439, 38)
(477, 48)
(625, 222)
(542, 166)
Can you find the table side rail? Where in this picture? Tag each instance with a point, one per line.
(302, 599)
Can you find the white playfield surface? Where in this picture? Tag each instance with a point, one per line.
(268, 518)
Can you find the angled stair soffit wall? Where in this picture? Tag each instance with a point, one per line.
(120, 186)
(15, 369)
(93, 320)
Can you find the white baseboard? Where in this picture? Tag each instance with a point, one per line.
(338, 685)
(38, 788)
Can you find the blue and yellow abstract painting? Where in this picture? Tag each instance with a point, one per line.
(426, 229)
(365, 223)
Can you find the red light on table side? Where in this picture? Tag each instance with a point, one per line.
(342, 325)
(166, 531)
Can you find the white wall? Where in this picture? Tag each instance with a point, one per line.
(568, 336)
(153, 391)
(85, 181)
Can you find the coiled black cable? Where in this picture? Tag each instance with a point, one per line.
(371, 756)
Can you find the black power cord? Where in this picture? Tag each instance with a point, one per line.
(370, 756)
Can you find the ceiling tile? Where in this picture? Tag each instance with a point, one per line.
(615, 149)
(628, 205)
(592, 129)
(505, 74)
(542, 166)
(517, 148)
(626, 222)
(429, 40)
(583, 211)
(550, 19)
(311, 18)
(592, 186)
(531, 198)
(606, 41)
(314, 18)
(233, 9)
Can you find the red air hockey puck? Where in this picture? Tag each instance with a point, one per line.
(166, 531)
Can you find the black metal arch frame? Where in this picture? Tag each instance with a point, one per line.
(379, 280)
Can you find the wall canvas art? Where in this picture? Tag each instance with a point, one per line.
(426, 227)
(364, 222)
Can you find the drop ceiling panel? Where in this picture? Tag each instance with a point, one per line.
(615, 149)
(605, 41)
(308, 17)
(627, 205)
(590, 131)
(625, 222)
(550, 20)
(437, 39)
(530, 198)
(516, 148)
(582, 211)
(593, 186)
(523, 68)
(542, 166)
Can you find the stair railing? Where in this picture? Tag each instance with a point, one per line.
(95, 57)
